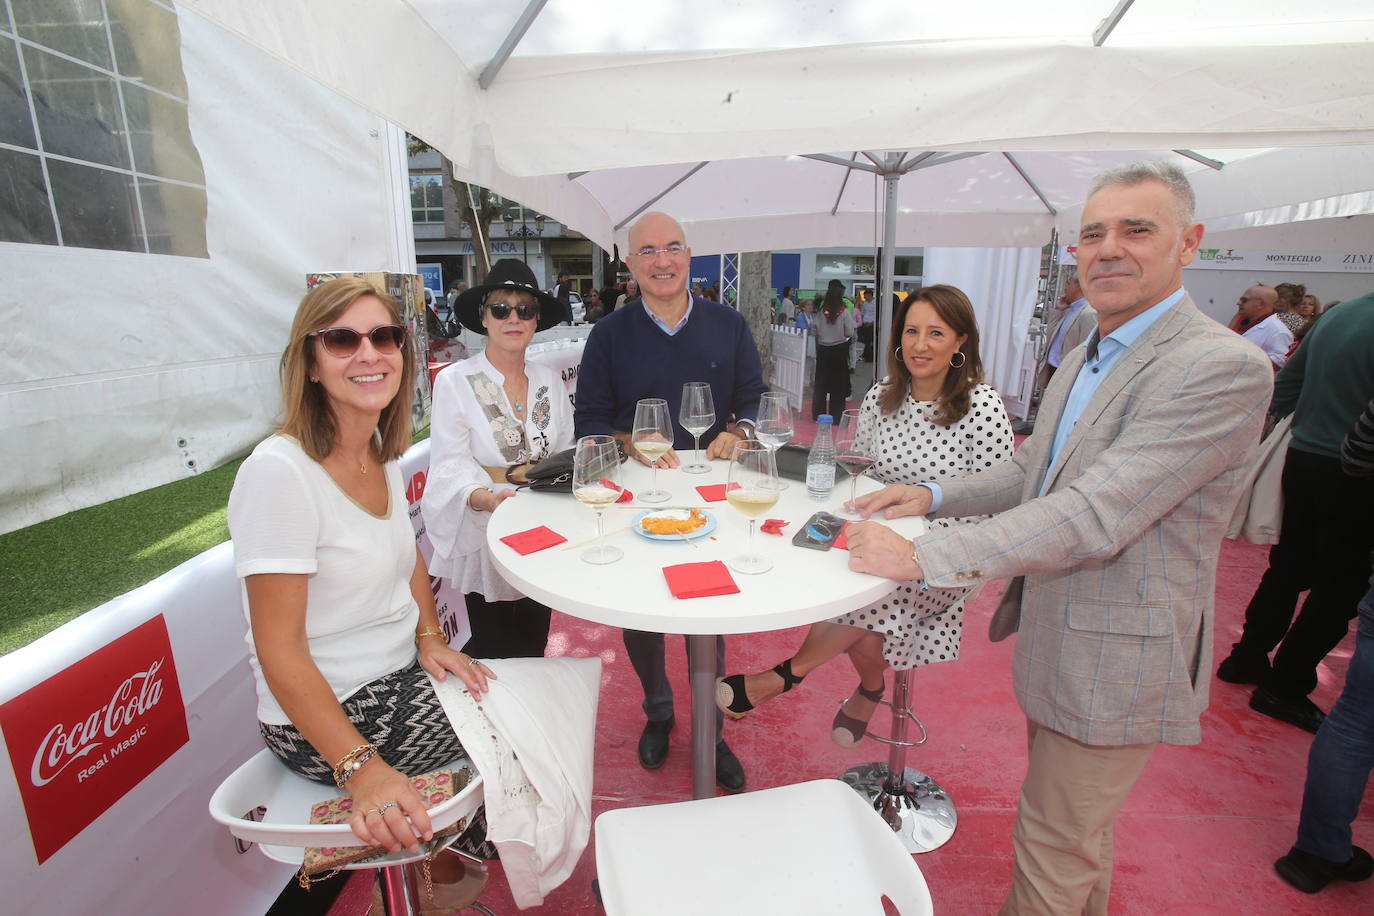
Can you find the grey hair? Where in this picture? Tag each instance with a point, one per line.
(1168, 174)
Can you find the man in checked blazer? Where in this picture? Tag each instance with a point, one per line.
(1109, 517)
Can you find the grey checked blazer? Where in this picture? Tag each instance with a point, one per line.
(1116, 563)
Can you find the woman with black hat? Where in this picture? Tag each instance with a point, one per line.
(494, 416)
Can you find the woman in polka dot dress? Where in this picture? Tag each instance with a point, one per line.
(931, 418)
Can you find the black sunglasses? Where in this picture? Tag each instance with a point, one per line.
(500, 311)
(344, 342)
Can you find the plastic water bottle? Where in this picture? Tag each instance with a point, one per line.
(820, 462)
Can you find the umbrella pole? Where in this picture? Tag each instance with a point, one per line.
(882, 333)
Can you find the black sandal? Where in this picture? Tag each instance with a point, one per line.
(847, 731)
(732, 699)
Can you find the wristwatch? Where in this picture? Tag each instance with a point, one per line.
(744, 429)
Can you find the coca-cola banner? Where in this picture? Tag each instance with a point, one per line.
(448, 601)
(87, 735)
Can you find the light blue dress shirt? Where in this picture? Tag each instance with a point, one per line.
(663, 324)
(1056, 353)
(1102, 355)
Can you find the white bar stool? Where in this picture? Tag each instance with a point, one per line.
(265, 803)
(814, 847)
(916, 807)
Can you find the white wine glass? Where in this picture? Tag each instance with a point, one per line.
(752, 488)
(596, 483)
(697, 414)
(651, 437)
(854, 453)
(774, 425)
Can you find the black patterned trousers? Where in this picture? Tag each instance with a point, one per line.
(401, 715)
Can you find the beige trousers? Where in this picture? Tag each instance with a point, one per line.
(1063, 833)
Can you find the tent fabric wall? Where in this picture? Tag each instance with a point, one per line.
(126, 368)
(1001, 283)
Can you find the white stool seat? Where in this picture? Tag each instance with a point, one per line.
(285, 830)
(814, 847)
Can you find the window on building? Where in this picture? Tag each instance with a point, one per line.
(908, 265)
(846, 265)
(95, 138)
(427, 197)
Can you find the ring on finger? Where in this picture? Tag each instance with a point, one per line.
(372, 811)
(391, 804)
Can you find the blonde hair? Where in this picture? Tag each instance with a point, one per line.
(306, 414)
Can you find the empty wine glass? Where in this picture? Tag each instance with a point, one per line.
(696, 413)
(752, 488)
(652, 436)
(854, 453)
(596, 483)
(774, 425)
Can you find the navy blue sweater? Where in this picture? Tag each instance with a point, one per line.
(628, 357)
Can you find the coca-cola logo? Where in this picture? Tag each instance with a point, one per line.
(65, 745)
(80, 740)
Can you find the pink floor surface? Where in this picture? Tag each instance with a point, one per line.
(1198, 835)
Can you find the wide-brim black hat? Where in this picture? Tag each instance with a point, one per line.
(508, 273)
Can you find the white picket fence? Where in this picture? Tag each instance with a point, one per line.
(792, 347)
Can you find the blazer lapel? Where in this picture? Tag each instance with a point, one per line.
(1139, 355)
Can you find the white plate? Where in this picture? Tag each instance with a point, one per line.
(700, 532)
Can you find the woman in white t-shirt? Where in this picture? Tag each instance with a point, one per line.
(494, 415)
(343, 633)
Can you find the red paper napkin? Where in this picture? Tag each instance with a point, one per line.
(714, 492)
(773, 526)
(625, 495)
(526, 542)
(842, 541)
(698, 580)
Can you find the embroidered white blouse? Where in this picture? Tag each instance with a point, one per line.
(473, 426)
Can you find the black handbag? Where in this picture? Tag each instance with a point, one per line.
(554, 473)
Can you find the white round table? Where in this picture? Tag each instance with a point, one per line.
(803, 586)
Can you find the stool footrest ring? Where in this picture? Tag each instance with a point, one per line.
(908, 714)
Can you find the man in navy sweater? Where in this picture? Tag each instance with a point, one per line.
(649, 349)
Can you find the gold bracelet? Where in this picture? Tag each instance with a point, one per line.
(351, 762)
(429, 631)
(471, 504)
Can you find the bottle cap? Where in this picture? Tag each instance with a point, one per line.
(825, 418)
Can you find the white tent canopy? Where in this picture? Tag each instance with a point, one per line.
(556, 88)
(615, 83)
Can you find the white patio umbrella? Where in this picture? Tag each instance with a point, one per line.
(556, 86)
(553, 89)
(1309, 199)
(536, 100)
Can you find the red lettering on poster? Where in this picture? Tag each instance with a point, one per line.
(415, 488)
(83, 738)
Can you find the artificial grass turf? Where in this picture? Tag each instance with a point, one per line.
(59, 569)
